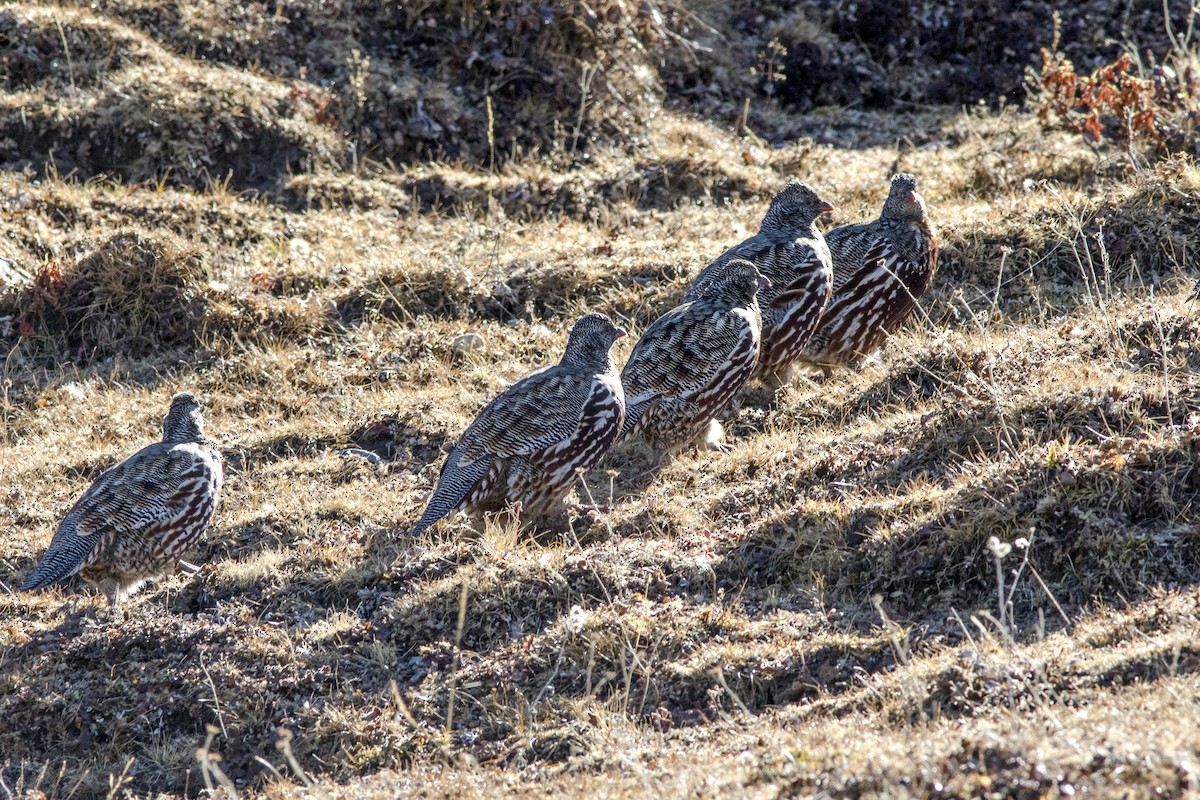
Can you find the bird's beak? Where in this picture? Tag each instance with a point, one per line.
(620, 332)
(913, 197)
(826, 208)
(764, 282)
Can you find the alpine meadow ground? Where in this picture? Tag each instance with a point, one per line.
(970, 568)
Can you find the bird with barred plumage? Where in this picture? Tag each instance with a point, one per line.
(880, 271)
(691, 361)
(137, 519)
(525, 448)
(791, 253)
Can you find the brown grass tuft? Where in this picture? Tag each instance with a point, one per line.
(133, 294)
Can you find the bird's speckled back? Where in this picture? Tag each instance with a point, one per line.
(690, 362)
(787, 246)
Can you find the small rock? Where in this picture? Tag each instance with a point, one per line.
(504, 293)
(355, 452)
(469, 345)
(299, 249)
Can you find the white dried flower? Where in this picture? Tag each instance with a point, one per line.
(576, 619)
(999, 549)
(299, 250)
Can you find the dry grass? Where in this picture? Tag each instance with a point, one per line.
(815, 612)
(132, 108)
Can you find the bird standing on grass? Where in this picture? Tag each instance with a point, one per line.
(526, 445)
(791, 252)
(690, 363)
(138, 518)
(880, 271)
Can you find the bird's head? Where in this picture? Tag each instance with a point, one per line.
(184, 422)
(903, 201)
(737, 282)
(591, 338)
(794, 210)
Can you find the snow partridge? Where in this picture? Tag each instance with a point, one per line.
(526, 445)
(138, 518)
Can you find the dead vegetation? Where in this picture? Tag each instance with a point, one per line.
(146, 114)
(134, 293)
(214, 90)
(1146, 108)
(967, 570)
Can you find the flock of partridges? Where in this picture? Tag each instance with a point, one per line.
(786, 296)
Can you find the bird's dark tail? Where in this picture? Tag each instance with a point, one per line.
(63, 558)
(454, 484)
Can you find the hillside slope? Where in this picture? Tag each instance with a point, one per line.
(814, 612)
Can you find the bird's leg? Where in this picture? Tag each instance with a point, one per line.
(106, 612)
(587, 509)
(590, 509)
(714, 438)
(775, 380)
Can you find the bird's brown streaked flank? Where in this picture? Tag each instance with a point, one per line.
(692, 360)
(526, 446)
(138, 518)
(880, 270)
(791, 252)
